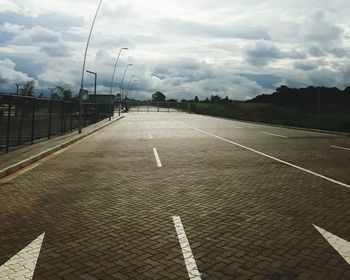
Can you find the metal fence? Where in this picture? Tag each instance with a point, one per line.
(154, 106)
(24, 120)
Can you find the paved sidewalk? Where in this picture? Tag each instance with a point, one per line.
(26, 152)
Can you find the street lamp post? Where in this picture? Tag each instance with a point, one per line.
(94, 73)
(121, 85)
(115, 67)
(83, 72)
(95, 90)
(127, 88)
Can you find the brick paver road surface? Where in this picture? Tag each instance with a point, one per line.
(237, 200)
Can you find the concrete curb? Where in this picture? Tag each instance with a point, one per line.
(20, 165)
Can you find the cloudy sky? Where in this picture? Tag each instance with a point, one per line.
(183, 48)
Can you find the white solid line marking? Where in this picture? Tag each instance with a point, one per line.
(272, 134)
(340, 245)
(268, 156)
(22, 265)
(190, 262)
(150, 135)
(342, 148)
(157, 157)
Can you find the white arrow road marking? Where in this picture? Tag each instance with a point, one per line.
(22, 265)
(342, 246)
(190, 262)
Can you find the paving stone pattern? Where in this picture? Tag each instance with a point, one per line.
(106, 208)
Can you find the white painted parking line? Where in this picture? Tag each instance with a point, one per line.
(272, 134)
(190, 262)
(22, 265)
(342, 148)
(340, 245)
(159, 163)
(268, 156)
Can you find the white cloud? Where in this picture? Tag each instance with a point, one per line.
(239, 48)
(9, 75)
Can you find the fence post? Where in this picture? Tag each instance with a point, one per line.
(189, 108)
(8, 125)
(138, 107)
(62, 117)
(33, 121)
(158, 106)
(50, 118)
(148, 106)
(168, 107)
(71, 117)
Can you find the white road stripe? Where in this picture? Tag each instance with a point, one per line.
(22, 265)
(150, 135)
(268, 156)
(272, 134)
(157, 157)
(342, 246)
(190, 262)
(342, 148)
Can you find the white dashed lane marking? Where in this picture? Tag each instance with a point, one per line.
(190, 262)
(272, 134)
(22, 265)
(341, 148)
(340, 245)
(268, 156)
(159, 163)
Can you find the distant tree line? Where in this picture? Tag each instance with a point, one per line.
(305, 96)
(289, 96)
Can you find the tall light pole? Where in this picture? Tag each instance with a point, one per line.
(127, 88)
(121, 85)
(83, 72)
(134, 82)
(115, 67)
(94, 73)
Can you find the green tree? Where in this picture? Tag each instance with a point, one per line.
(64, 94)
(28, 88)
(158, 96)
(196, 99)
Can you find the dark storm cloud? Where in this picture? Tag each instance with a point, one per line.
(184, 70)
(267, 81)
(320, 29)
(305, 66)
(57, 50)
(261, 53)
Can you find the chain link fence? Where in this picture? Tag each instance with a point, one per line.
(24, 120)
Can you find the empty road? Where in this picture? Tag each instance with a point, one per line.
(180, 196)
